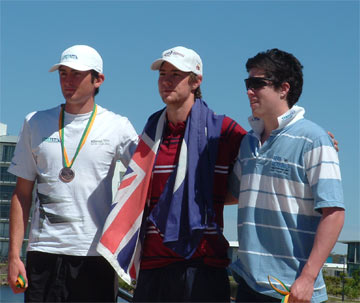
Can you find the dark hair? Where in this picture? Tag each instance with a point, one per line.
(197, 93)
(94, 75)
(281, 67)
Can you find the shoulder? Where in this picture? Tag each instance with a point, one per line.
(110, 118)
(309, 128)
(119, 125)
(43, 116)
(152, 121)
(230, 128)
(155, 115)
(231, 136)
(310, 132)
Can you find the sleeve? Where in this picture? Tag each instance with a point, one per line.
(323, 173)
(231, 136)
(129, 143)
(234, 134)
(235, 179)
(23, 163)
(236, 137)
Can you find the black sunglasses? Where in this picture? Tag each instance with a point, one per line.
(256, 82)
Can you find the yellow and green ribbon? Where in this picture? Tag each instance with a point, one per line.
(84, 136)
(285, 291)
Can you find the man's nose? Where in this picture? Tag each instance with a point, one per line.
(67, 80)
(250, 91)
(166, 81)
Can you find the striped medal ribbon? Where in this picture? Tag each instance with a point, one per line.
(67, 174)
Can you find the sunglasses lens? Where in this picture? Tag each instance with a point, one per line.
(255, 83)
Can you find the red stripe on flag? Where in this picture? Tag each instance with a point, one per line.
(133, 272)
(127, 182)
(134, 206)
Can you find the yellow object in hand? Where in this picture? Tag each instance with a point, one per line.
(20, 282)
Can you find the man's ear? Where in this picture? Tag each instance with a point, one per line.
(99, 80)
(284, 90)
(196, 83)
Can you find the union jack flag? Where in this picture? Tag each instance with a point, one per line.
(120, 243)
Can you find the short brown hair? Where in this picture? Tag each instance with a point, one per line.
(193, 78)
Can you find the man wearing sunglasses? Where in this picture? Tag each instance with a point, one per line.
(288, 184)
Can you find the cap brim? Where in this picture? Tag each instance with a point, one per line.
(157, 64)
(54, 68)
(72, 65)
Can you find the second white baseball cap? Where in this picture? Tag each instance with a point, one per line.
(183, 58)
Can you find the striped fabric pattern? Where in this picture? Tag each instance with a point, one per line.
(185, 207)
(282, 186)
(155, 253)
(121, 242)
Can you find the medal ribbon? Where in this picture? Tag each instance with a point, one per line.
(83, 137)
(285, 291)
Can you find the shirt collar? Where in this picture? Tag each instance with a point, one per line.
(291, 116)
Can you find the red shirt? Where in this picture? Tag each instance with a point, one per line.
(213, 247)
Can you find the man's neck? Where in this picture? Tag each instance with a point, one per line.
(178, 114)
(271, 123)
(79, 108)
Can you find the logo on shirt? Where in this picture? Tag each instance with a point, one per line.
(100, 142)
(51, 140)
(289, 115)
(280, 166)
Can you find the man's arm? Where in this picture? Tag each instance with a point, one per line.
(19, 216)
(326, 236)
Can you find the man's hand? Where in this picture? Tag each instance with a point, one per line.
(302, 290)
(336, 143)
(16, 268)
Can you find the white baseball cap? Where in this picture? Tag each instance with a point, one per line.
(182, 58)
(80, 57)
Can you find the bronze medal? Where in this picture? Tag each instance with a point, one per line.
(66, 174)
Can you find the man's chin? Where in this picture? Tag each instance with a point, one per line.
(68, 96)
(167, 100)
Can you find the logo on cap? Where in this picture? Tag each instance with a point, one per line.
(172, 52)
(68, 57)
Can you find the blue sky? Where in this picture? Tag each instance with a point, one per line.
(130, 35)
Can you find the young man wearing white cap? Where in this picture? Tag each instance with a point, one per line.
(183, 252)
(70, 151)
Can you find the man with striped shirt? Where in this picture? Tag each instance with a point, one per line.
(288, 184)
(184, 255)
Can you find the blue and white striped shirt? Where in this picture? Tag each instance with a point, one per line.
(281, 187)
